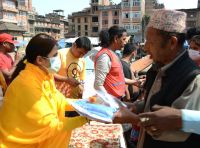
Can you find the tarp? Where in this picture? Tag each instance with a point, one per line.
(94, 40)
(61, 43)
(21, 43)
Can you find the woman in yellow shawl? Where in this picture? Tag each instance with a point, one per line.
(32, 114)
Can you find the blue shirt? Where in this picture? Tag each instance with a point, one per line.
(191, 121)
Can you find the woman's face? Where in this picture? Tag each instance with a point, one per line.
(44, 61)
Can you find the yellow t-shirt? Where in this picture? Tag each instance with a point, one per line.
(33, 110)
(71, 67)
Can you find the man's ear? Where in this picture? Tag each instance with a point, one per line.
(116, 38)
(74, 45)
(173, 42)
(5, 44)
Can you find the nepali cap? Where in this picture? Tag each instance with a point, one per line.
(168, 20)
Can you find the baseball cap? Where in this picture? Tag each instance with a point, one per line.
(4, 37)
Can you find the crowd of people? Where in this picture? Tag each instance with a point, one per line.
(36, 88)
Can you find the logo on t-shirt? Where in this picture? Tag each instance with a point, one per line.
(73, 70)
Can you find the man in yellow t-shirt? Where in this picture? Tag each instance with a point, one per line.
(73, 67)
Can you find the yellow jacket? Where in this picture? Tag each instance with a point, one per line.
(32, 115)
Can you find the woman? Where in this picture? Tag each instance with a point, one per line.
(32, 114)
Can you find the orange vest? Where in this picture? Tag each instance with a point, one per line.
(114, 82)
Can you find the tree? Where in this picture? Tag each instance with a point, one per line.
(145, 21)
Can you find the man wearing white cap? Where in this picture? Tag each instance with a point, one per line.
(173, 81)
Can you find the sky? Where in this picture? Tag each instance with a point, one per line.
(69, 6)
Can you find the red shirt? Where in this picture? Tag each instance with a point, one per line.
(6, 61)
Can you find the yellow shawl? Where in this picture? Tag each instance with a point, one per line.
(32, 114)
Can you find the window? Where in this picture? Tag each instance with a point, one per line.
(127, 27)
(126, 15)
(136, 28)
(136, 2)
(104, 22)
(10, 15)
(136, 15)
(22, 13)
(115, 13)
(86, 33)
(73, 28)
(10, 3)
(31, 30)
(79, 20)
(94, 29)
(191, 15)
(105, 13)
(22, 2)
(95, 1)
(94, 8)
(72, 20)
(191, 23)
(79, 27)
(115, 22)
(85, 19)
(94, 19)
(86, 27)
(126, 4)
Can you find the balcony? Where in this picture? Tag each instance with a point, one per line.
(7, 8)
(23, 8)
(95, 23)
(8, 20)
(31, 17)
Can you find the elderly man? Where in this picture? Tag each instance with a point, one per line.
(173, 80)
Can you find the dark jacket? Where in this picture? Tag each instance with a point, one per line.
(175, 80)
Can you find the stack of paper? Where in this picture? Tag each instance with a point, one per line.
(102, 109)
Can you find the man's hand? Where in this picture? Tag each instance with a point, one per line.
(124, 115)
(162, 118)
(73, 82)
(18, 57)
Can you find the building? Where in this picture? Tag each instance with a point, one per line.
(13, 17)
(132, 13)
(151, 5)
(52, 24)
(103, 14)
(193, 17)
(80, 23)
(20, 19)
(86, 22)
(109, 16)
